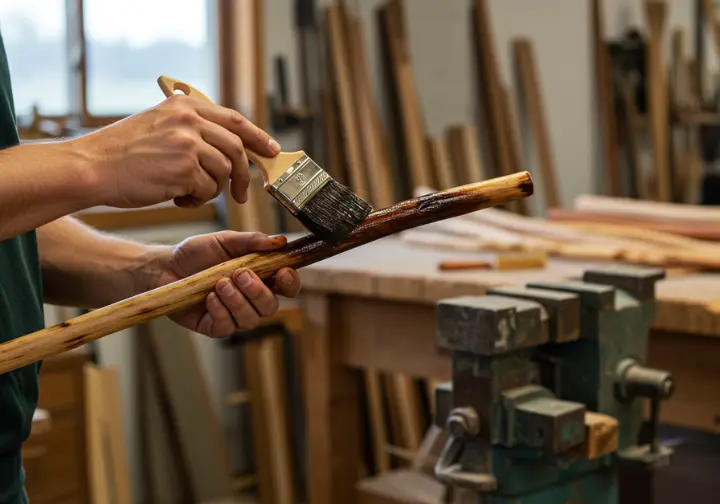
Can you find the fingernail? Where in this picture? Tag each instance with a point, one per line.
(274, 146)
(225, 287)
(286, 279)
(244, 279)
(213, 297)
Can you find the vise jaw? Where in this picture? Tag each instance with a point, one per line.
(546, 385)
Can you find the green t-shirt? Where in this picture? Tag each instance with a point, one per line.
(21, 312)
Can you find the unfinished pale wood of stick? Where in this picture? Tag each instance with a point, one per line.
(375, 159)
(656, 14)
(535, 108)
(413, 123)
(605, 104)
(343, 85)
(440, 161)
(307, 250)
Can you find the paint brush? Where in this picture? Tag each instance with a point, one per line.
(296, 254)
(328, 209)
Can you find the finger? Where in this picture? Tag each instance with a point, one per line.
(203, 188)
(215, 164)
(245, 316)
(253, 137)
(232, 147)
(238, 244)
(256, 292)
(221, 322)
(287, 283)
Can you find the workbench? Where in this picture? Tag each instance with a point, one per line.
(373, 308)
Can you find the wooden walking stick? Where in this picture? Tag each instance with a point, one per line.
(296, 254)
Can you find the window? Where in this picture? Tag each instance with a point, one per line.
(130, 43)
(34, 35)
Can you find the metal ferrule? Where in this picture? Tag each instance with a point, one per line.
(299, 184)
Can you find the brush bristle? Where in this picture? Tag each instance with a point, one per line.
(334, 212)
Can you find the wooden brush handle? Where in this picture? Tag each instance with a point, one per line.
(271, 168)
(296, 254)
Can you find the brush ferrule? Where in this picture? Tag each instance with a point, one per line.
(297, 186)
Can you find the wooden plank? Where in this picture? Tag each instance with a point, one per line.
(656, 15)
(411, 141)
(464, 154)
(605, 102)
(711, 19)
(628, 87)
(440, 162)
(116, 452)
(99, 473)
(532, 99)
(110, 218)
(261, 455)
(332, 396)
(198, 426)
(167, 479)
(375, 158)
(512, 139)
(409, 410)
(378, 428)
(357, 176)
(695, 365)
(237, 398)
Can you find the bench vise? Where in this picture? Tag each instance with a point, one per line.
(550, 389)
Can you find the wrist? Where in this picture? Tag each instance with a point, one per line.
(152, 267)
(81, 172)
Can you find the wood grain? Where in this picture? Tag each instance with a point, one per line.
(605, 103)
(307, 250)
(375, 158)
(656, 15)
(440, 162)
(532, 99)
(343, 83)
(412, 125)
(464, 153)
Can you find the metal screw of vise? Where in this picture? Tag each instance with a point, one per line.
(463, 422)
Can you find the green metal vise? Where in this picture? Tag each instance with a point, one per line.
(533, 368)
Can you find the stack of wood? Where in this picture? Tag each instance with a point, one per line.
(657, 102)
(386, 163)
(495, 229)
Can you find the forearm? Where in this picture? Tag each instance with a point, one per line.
(42, 182)
(85, 268)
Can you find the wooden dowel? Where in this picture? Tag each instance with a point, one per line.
(302, 252)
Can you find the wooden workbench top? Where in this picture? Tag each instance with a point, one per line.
(394, 270)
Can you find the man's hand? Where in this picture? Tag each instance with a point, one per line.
(183, 149)
(238, 303)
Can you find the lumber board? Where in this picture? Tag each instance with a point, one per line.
(605, 102)
(343, 82)
(332, 394)
(440, 162)
(648, 210)
(464, 153)
(628, 88)
(378, 428)
(711, 18)
(411, 141)
(99, 476)
(375, 158)
(512, 140)
(532, 99)
(197, 424)
(656, 16)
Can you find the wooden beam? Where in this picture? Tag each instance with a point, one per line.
(343, 83)
(77, 57)
(532, 99)
(464, 154)
(410, 141)
(656, 15)
(610, 166)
